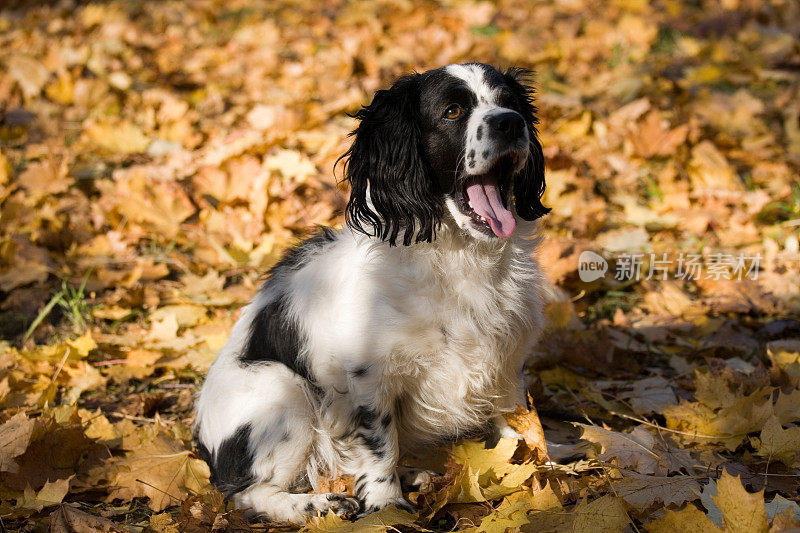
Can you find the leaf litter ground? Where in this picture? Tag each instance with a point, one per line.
(157, 157)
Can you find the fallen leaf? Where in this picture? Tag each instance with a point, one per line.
(690, 518)
(52, 493)
(68, 519)
(742, 512)
(15, 435)
(774, 442)
(160, 469)
(382, 520)
(607, 513)
(642, 491)
(527, 424)
(117, 137)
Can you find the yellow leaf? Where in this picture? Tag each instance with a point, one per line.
(112, 312)
(787, 407)
(483, 462)
(51, 494)
(785, 354)
(186, 315)
(513, 511)
(121, 138)
(778, 443)
(713, 390)
(689, 519)
(62, 90)
(742, 512)
(28, 72)
(5, 169)
(292, 165)
(607, 514)
(81, 346)
(709, 169)
(163, 523)
(466, 488)
(382, 520)
(728, 425)
(511, 482)
(97, 426)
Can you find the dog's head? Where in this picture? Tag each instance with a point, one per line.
(459, 141)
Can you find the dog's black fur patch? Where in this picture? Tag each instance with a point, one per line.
(274, 335)
(230, 465)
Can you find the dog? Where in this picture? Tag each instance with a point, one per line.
(410, 325)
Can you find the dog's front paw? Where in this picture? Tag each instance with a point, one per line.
(400, 503)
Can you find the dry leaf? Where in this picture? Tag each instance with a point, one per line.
(777, 443)
(742, 512)
(160, 469)
(689, 519)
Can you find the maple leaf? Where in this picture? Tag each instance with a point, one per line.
(68, 519)
(123, 137)
(633, 450)
(709, 169)
(28, 72)
(607, 513)
(161, 469)
(514, 510)
(54, 450)
(651, 395)
(486, 462)
(729, 425)
(527, 423)
(208, 509)
(742, 512)
(689, 518)
(653, 138)
(15, 435)
(774, 442)
(382, 520)
(642, 491)
(52, 493)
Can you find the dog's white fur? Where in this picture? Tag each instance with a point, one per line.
(444, 326)
(434, 333)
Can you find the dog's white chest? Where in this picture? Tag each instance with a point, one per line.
(463, 350)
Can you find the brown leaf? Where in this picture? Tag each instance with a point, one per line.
(68, 519)
(653, 138)
(161, 469)
(15, 435)
(527, 423)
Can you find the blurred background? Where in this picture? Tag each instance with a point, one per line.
(156, 157)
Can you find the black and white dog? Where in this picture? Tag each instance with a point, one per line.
(410, 325)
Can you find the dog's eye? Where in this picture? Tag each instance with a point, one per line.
(452, 111)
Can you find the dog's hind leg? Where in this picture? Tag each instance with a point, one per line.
(259, 440)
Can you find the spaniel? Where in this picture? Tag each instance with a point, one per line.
(410, 325)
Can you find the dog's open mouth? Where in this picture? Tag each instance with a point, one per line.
(484, 196)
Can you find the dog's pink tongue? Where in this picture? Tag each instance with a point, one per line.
(485, 198)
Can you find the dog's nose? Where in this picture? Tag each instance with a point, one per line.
(508, 125)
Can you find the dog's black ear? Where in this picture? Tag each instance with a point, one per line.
(392, 186)
(529, 183)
